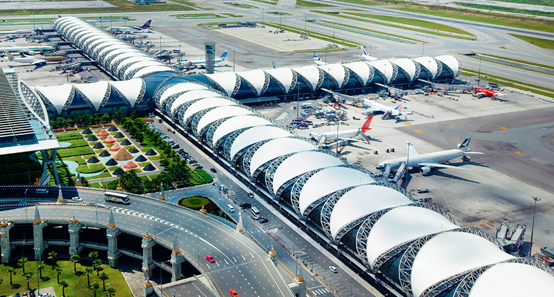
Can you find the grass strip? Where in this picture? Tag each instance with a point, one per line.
(544, 43)
(198, 16)
(512, 83)
(519, 61)
(240, 5)
(72, 152)
(372, 31)
(266, 1)
(530, 2)
(92, 168)
(79, 160)
(311, 4)
(505, 63)
(312, 34)
(69, 136)
(77, 143)
(506, 9)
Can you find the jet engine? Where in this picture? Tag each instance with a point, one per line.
(425, 170)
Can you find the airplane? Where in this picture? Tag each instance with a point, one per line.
(482, 92)
(27, 49)
(317, 60)
(372, 106)
(199, 62)
(329, 137)
(426, 162)
(29, 60)
(17, 32)
(131, 29)
(47, 58)
(14, 36)
(367, 57)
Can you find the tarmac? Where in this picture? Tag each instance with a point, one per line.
(53, 5)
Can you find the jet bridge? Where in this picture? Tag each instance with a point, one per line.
(400, 173)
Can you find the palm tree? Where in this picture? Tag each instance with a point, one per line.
(52, 257)
(40, 266)
(104, 277)
(111, 291)
(21, 262)
(93, 255)
(88, 272)
(59, 271)
(75, 259)
(94, 286)
(28, 277)
(97, 265)
(64, 285)
(11, 271)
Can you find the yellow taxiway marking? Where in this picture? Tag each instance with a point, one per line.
(520, 153)
(262, 63)
(418, 131)
(503, 128)
(407, 124)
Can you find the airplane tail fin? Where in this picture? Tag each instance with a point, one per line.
(364, 53)
(365, 126)
(465, 143)
(147, 24)
(10, 57)
(273, 62)
(411, 150)
(224, 55)
(399, 107)
(315, 57)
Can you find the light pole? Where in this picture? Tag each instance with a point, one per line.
(423, 49)
(479, 76)
(160, 43)
(262, 15)
(180, 54)
(305, 24)
(234, 59)
(407, 165)
(38, 274)
(536, 199)
(334, 25)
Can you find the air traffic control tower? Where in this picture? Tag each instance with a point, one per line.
(24, 124)
(210, 57)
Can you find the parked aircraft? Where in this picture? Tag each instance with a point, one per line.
(335, 135)
(317, 60)
(132, 29)
(482, 92)
(367, 57)
(426, 162)
(16, 32)
(371, 106)
(27, 60)
(47, 58)
(26, 49)
(199, 62)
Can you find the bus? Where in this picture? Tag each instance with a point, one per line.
(117, 198)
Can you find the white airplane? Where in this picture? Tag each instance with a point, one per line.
(199, 62)
(371, 106)
(317, 60)
(27, 60)
(426, 162)
(329, 137)
(17, 32)
(367, 57)
(27, 49)
(132, 29)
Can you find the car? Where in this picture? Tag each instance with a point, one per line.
(333, 269)
(251, 195)
(263, 220)
(245, 205)
(234, 293)
(199, 167)
(77, 198)
(422, 190)
(176, 146)
(213, 170)
(210, 259)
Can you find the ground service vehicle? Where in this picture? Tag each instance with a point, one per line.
(42, 191)
(117, 198)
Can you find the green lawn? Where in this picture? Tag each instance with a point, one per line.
(530, 2)
(113, 168)
(71, 152)
(241, 5)
(77, 143)
(79, 160)
(362, 2)
(506, 9)
(143, 164)
(69, 136)
(195, 202)
(520, 61)
(198, 15)
(315, 35)
(544, 43)
(311, 4)
(101, 175)
(77, 283)
(91, 168)
(330, 25)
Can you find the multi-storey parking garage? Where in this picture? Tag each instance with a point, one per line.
(417, 246)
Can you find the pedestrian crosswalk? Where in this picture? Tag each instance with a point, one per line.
(320, 291)
(149, 217)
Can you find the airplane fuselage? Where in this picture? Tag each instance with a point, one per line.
(436, 157)
(332, 136)
(26, 48)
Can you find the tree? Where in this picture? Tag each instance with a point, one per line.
(52, 257)
(105, 118)
(133, 130)
(75, 259)
(58, 271)
(97, 265)
(21, 262)
(118, 115)
(84, 182)
(104, 277)
(134, 115)
(88, 272)
(40, 267)
(28, 277)
(111, 291)
(11, 272)
(94, 286)
(64, 285)
(139, 136)
(96, 119)
(93, 255)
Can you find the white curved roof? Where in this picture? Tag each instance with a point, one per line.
(92, 45)
(236, 123)
(336, 71)
(152, 69)
(78, 30)
(79, 35)
(120, 51)
(192, 95)
(96, 50)
(428, 63)
(124, 56)
(256, 78)
(408, 66)
(140, 65)
(227, 80)
(276, 148)
(129, 88)
(384, 67)
(284, 76)
(57, 95)
(254, 135)
(361, 69)
(113, 47)
(319, 184)
(311, 73)
(181, 87)
(86, 36)
(499, 280)
(450, 253)
(219, 113)
(95, 92)
(132, 60)
(301, 163)
(406, 223)
(205, 104)
(362, 201)
(451, 62)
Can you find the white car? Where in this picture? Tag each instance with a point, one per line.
(77, 198)
(333, 269)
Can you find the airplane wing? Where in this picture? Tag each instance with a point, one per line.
(438, 165)
(38, 61)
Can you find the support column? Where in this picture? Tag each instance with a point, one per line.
(148, 288)
(147, 261)
(38, 239)
(50, 160)
(176, 260)
(60, 195)
(273, 256)
(301, 282)
(240, 226)
(5, 241)
(74, 245)
(111, 234)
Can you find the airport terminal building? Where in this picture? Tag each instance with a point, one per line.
(415, 246)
